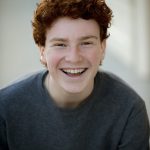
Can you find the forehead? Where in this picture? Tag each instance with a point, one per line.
(73, 28)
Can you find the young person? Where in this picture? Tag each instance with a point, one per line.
(72, 105)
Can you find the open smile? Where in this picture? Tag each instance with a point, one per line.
(74, 72)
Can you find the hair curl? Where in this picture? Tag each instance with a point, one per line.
(49, 10)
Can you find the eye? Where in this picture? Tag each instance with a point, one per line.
(87, 43)
(59, 45)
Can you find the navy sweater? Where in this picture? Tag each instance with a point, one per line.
(113, 117)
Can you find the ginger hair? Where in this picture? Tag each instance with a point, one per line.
(48, 11)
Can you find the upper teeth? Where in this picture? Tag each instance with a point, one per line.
(73, 71)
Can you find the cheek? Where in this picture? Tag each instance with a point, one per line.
(95, 57)
(53, 60)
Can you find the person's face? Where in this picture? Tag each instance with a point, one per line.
(73, 51)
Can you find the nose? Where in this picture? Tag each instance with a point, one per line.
(73, 55)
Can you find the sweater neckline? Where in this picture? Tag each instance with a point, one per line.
(85, 104)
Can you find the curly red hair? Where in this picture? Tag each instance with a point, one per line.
(49, 10)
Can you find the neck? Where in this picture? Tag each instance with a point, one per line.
(65, 99)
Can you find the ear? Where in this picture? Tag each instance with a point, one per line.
(103, 48)
(42, 55)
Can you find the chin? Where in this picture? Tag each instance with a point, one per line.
(73, 90)
(77, 88)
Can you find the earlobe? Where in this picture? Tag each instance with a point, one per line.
(42, 55)
(103, 48)
(41, 50)
(104, 44)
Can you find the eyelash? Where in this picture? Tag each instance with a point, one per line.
(86, 43)
(60, 45)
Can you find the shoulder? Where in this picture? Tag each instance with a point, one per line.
(21, 87)
(118, 100)
(118, 91)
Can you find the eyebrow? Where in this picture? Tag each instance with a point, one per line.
(55, 39)
(58, 39)
(88, 37)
